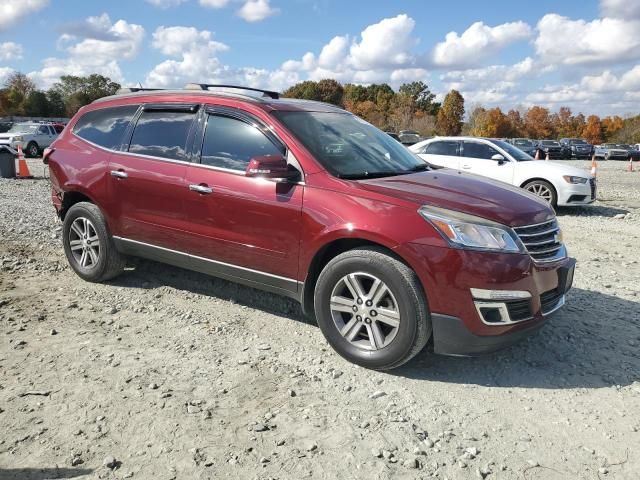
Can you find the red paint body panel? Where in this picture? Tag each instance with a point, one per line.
(277, 228)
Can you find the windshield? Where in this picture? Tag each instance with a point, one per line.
(349, 147)
(515, 152)
(523, 143)
(23, 128)
(577, 142)
(550, 142)
(625, 146)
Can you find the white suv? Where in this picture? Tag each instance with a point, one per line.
(32, 137)
(558, 184)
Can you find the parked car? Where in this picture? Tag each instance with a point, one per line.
(526, 145)
(5, 126)
(32, 137)
(633, 153)
(551, 148)
(576, 148)
(409, 137)
(611, 151)
(306, 200)
(559, 185)
(393, 135)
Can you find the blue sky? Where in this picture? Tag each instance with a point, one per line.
(584, 54)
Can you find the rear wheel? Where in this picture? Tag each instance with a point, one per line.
(371, 309)
(88, 245)
(544, 190)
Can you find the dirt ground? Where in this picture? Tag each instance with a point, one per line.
(168, 374)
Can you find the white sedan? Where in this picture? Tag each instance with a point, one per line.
(558, 184)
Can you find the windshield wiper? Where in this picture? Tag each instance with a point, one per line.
(421, 167)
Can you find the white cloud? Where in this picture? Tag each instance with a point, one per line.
(10, 51)
(4, 74)
(334, 52)
(93, 46)
(477, 42)
(175, 41)
(384, 44)
(165, 3)
(625, 9)
(255, 10)
(12, 12)
(214, 3)
(573, 42)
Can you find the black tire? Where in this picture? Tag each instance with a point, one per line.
(553, 201)
(414, 329)
(33, 150)
(110, 263)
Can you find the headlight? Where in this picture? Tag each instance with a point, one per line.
(467, 231)
(574, 180)
(17, 138)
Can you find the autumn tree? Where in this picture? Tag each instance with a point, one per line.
(516, 124)
(592, 132)
(450, 115)
(17, 87)
(492, 123)
(537, 123)
(610, 126)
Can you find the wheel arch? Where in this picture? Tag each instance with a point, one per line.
(325, 254)
(70, 198)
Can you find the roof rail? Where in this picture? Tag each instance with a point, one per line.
(136, 89)
(206, 86)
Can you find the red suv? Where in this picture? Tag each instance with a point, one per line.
(306, 200)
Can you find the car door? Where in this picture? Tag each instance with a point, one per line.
(442, 152)
(44, 137)
(251, 225)
(148, 176)
(476, 157)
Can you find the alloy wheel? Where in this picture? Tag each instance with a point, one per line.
(365, 311)
(541, 190)
(84, 242)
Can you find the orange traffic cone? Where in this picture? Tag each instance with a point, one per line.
(547, 157)
(23, 169)
(537, 157)
(630, 168)
(594, 166)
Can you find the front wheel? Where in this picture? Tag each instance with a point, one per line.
(33, 150)
(88, 245)
(544, 190)
(371, 309)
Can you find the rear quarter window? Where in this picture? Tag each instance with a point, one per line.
(105, 127)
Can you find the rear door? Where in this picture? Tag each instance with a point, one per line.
(252, 225)
(148, 175)
(44, 136)
(475, 157)
(442, 152)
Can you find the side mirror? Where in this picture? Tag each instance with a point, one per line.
(270, 166)
(498, 158)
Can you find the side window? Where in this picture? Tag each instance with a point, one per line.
(231, 143)
(445, 147)
(162, 133)
(43, 130)
(478, 150)
(105, 127)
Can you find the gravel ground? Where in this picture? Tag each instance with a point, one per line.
(167, 374)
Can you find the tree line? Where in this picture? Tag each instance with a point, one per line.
(20, 97)
(411, 107)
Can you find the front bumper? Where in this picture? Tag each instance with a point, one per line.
(448, 275)
(576, 195)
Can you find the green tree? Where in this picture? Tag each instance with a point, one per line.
(18, 87)
(450, 115)
(330, 91)
(36, 104)
(56, 104)
(421, 96)
(79, 91)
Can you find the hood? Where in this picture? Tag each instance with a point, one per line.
(466, 193)
(8, 135)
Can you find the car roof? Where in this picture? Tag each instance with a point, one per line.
(264, 102)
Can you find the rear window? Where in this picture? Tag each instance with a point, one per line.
(105, 127)
(160, 133)
(442, 148)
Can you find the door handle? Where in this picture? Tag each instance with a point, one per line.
(204, 189)
(466, 165)
(119, 174)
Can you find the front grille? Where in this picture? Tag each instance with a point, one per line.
(519, 309)
(541, 240)
(549, 300)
